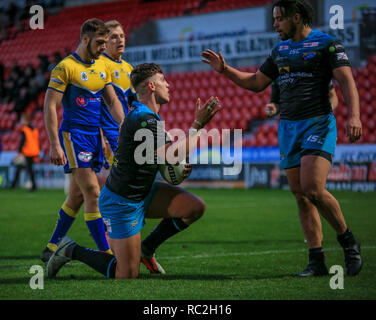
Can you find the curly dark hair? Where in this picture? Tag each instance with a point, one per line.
(144, 71)
(291, 7)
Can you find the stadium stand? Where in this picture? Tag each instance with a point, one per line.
(242, 109)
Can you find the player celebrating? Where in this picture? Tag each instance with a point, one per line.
(304, 63)
(130, 193)
(80, 81)
(120, 72)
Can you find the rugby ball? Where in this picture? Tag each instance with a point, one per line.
(173, 174)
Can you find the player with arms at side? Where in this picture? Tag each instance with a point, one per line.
(131, 194)
(120, 72)
(80, 81)
(305, 62)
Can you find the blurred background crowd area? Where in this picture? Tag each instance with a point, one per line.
(27, 57)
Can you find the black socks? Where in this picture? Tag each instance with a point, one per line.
(164, 230)
(98, 260)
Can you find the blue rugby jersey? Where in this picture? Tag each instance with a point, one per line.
(82, 84)
(120, 72)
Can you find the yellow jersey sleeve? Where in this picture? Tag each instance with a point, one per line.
(130, 69)
(108, 73)
(60, 77)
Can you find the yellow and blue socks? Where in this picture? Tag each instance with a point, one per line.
(95, 224)
(65, 219)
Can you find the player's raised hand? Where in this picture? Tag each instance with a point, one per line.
(216, 61)
(57, 156)
(187, 170)
(205, 113)
(354, 129)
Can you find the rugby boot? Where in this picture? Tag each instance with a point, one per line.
(351, 249)
(316, 266)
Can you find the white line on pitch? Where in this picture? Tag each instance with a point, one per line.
(252, 253)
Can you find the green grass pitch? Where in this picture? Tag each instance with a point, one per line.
(246, 246)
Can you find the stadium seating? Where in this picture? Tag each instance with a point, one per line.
(61, 31)
(240, 106)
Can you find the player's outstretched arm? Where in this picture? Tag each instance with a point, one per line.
(181, 149)
(251, 81)
(51, 102)
(350, 94)
(114, 105)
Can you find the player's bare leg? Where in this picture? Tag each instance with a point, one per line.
(71, 207)
(174, 202)
(75, 198)
(87, 181)
(179, 209)
(128, 253)
(314, 171)
(308, 214)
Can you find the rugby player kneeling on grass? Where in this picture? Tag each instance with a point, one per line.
(131, 195)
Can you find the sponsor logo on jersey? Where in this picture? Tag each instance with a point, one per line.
(58, 81)
(310, 44)
(294, 51)
(85, 156)
(283, 48)
(82, 101)
(116, 74)
(84, 76)
(308, 55)
(134, 223)
(102, 75)
(284, 69)
(342, 56)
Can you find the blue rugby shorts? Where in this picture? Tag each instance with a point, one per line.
(81, 150)
(123, 217)
(317, 136)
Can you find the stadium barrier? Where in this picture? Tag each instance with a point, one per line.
(354, 169)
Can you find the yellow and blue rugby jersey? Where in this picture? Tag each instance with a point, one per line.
(120, 72)
(82, 84)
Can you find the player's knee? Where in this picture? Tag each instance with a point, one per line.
(92, 193)
(301, 199)
(313, 194)
(127, 273)
(75, 201)
(198, 209)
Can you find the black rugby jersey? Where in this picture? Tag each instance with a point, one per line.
(303, 71)
(135, 164)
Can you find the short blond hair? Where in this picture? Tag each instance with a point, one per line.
(113, 24)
